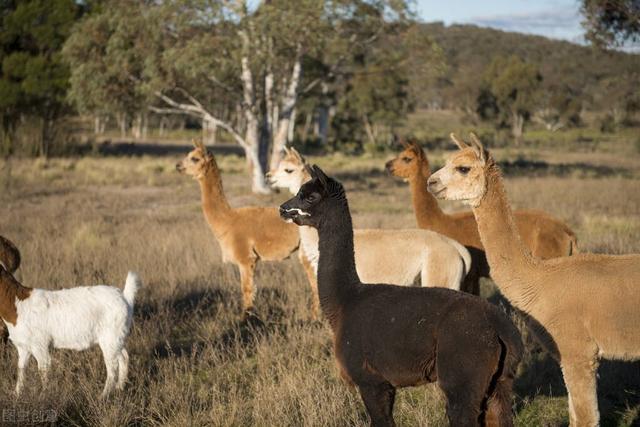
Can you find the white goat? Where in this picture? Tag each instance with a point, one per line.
(75, 319)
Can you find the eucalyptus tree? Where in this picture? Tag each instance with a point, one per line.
(236, 64)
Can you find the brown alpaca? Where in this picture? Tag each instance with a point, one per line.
(388, 337)
(246, 234)
(544, 235)
(584, 307)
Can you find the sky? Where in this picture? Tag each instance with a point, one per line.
(558, 19)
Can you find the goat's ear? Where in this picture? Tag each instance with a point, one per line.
(460, 143)
(477, 146)
(322, 177)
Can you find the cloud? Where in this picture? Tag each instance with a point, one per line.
(560, 23)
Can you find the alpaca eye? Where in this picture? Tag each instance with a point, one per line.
(406, 159)
(195, 159)
(463, 169)
(288, 170)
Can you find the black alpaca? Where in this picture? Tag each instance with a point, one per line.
(388, 336)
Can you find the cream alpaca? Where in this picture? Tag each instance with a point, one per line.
(583, 308)
(246, 234)
(438, 260)
(546, 236)
(74, 319)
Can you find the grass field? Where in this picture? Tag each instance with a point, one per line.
(193, 362)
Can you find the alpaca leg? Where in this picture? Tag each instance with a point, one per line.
(313, 283)
(23, 360)
(379, 399)
(44, 364)
(498, 412)
(248, 286)
(465, 380)
(580, 379)
(123, 369)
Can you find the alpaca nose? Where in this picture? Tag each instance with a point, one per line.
(432, 183)
(389, 166)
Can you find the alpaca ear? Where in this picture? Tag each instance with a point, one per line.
(417, 149)
(324, 180)
(404, 143)
(309, 170)
(460, 143)
(286, 150)
(477, 146)
(297, 155)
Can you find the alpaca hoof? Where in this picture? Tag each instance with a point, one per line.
(249, 313)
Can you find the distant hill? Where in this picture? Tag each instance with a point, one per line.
(593, 75)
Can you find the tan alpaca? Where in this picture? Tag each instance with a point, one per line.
(584, 307)
(438, 260)
(246, 234)
(546, 236)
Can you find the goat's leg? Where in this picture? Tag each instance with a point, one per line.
(313, 283)
(247, 269)
(23, 360)
(580, 379)
(44, 364)
(379, 399)
(110, 356)
(123, 368)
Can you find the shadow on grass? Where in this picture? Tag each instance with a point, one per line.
(117, 149)
(540, 375)
(250, 327)
(524, 167)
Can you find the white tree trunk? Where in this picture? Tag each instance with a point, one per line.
(369, 129)
(284, 121)
(252, 139)
(323, 124)
(162, 126)
(517, 126)
(122, 124)
(291, 133)
(209, 131)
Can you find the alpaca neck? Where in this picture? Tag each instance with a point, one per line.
(510, 260)
(214, 203)
(426, 208)
(337, 276)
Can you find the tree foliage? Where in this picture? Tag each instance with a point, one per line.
(33, 77)
(241, 66)
(611, 23)
(515, 86)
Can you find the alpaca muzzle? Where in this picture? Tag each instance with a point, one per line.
(291, 214)
(435, 187)
(389, 166)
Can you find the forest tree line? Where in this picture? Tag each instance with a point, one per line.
(262, 74)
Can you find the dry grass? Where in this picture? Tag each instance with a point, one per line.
(193, 362)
